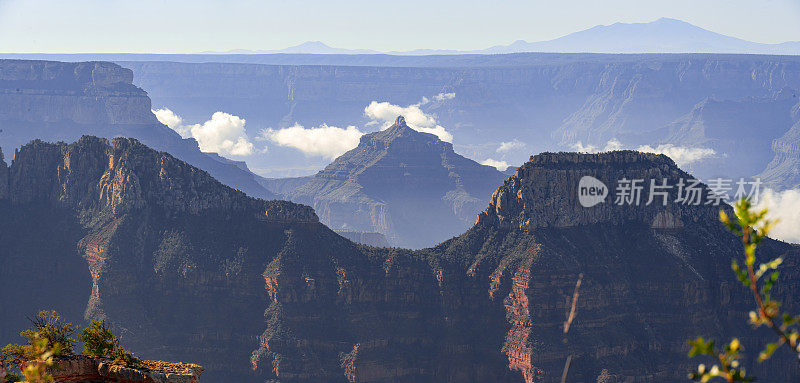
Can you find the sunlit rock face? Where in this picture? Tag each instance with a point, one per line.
(186, 268)
(86, 369)
(408, 185)
(57, 101)
(3, 177)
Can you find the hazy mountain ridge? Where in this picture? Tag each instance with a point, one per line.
(664, 35)
(548, 104)
(58, 101)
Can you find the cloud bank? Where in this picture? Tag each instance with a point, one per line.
(783, 206)
(224, 133)
(384, 114)
(500, 165)
(611, 145)
(680, 154)
(326, 141)
(330, 141)
(509, 146)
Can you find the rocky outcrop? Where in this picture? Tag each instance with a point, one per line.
(57, 101)
(669, 262)
(86, 93)
(394, 180)
(550, 182)
(85, 369)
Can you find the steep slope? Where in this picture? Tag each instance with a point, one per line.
(653, 275)
(408, 185)
(783, 172)
(188, 269)
(169, 255)
(63, 101)
(742, 132)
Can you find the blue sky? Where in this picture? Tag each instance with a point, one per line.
(181, 26)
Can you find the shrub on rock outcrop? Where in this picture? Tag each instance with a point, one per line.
(99, 341)
(48, 328)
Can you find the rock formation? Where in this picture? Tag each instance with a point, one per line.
(783, 172)
(84, 369)
(188, 269)
(408, 185)
(57, 101)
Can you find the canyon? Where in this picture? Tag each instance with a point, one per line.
(186, 268)
(549, 102)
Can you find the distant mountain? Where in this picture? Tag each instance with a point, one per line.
(661, 36)
(664, 35)
(409, 186)
(308, 47)
(58, 101)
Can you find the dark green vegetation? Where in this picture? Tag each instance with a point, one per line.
(99, 341)
(192, 270)
(752, 227)
(51, 336)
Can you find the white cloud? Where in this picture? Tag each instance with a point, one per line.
(173, 121)
(224, 133)
(783, 206)
(326, 141)
(510, 145)
(680, 154)
(444, 96)
(611, 145)
(500, 165)
(385, 113)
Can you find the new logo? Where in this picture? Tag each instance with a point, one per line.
(591, 191)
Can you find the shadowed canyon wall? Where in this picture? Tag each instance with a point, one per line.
(189, 269)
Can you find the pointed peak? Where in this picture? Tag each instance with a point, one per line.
(400, 121)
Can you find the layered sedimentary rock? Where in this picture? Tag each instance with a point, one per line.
(743, 133)
(170, 256)
(783, 172)
(408, 185)
(188, 269)
(547, 101)
(84, 369)
(58, 101)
